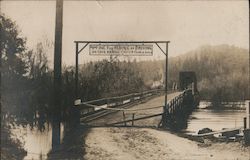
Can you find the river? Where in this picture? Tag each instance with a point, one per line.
(214, 119)
(37, 143)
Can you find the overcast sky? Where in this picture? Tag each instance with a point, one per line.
(187, 24)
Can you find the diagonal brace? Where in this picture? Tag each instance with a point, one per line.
(160, 48)
(78, 52)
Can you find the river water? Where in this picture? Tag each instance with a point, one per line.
(38, 143)
(215, 119)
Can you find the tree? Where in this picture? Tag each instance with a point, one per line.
(13, 67)
(12, 47)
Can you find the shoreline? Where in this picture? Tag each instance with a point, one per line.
(236, 105)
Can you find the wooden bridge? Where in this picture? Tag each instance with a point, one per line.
(146, 107)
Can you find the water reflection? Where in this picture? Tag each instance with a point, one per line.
(214, 119)
(37, 143)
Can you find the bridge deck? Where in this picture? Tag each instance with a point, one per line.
(118, 116)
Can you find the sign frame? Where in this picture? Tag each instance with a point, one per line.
(120, 49)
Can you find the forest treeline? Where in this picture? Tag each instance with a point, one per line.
(222, 71)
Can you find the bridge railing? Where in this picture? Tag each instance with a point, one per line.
(176, 102)
(112, 102)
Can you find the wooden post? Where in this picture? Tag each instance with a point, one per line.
(247, 130)
(133, 117)
(124, 118)
(57, 76)
(76, 73)
(245, 122)
(248, 114)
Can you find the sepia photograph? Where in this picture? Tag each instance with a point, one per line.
(124, 80)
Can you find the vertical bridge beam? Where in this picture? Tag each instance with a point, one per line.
(165, 108)
(76, 72)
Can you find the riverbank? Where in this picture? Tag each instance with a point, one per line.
(149, 144)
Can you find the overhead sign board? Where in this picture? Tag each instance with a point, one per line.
(121, 49)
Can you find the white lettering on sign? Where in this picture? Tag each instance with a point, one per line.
(121, 49)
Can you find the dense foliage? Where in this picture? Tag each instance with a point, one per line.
(109, 78)
(222, 71)
(13, 69)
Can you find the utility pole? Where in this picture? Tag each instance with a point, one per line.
(57, 76)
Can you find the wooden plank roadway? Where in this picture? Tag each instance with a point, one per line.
(151, 122)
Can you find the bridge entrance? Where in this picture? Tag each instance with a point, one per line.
(187, 79)
(119, 48)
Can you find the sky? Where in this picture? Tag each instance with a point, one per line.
(187, 24)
